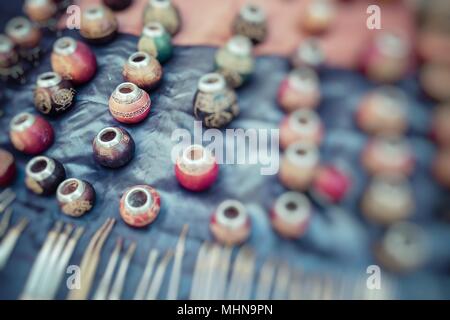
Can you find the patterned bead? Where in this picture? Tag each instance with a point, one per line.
(156, 41)
(251, 22)
(53, 95)
(7, 168)
(301, 126)
(129, 104)
(113, 147)
(214, 103)
(43, 175)
(164, 12)
(143, 70)
(140, 205)
(98, 24)
(230, 223)
(75, 197)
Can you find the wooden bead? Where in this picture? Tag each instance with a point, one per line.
(129, 104)
(75, 197)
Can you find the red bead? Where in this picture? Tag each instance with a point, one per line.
(331, 184)
(196, 169)
(73, 60)
(129, 103)
(31, 134)
(75, 197)
(140, 205)
(7, 168)
(230, 223)
(301, 126)
(299, 90)
(291, 214)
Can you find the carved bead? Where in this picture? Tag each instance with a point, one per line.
(23, 33)
(291, 214)
(98, 24)
(129, 104)
(301, 126)
(251, 22)
(331, 184)
(196, 169)
(164, 12)
(113, 147)
(73, 60)
(318, 16)
(140, 205)
(30, 134)
(40, 10)
(309, 53)
(75, 197)
(43, 175)
(53, 95)
(156, 41)
(230, 223)
(214, 103)
(299, 90)
(7, 168)
(143, 70)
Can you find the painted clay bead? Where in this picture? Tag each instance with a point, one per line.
(388, 155)
(113, 147)
(383, 111)
(318, 16)
(331, 184)
(196, 169)
(251, 22)
(156, 41)
(230, 223)
(235, 61)
(435, 81)
(7, 168)
(30, 134)
(309, 53)
(299, 90)
(53, 95)
(8, 56)
(140, 205)
(402, 248)
(299, 165)
(386, 59)
(441, 167)
(164, 12)
(75, 197)
(73, 60)
(441, 125)
(291, 214)
(301, 126)
(23, 33)
(43, 175)
(40, 10)
(388, 199)
(117, 5)
(143, 70)
(214, 103)
(98, 24)
(129, 103)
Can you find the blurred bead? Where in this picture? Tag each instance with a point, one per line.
(156, 41)
(235, 61)
(31, 134)
(73, 60)
(300, 89)
(23, 33)
(117, 5)
(251, 22)
(53, 95)
(441, 124)
(164, 12)
(43, 175)
(299, 165)
(441, 167)
(383, 111)
(40, 10)
(143, 70)
(75, 197)
(8, 56)
(230, 223)
(386, 58)
(291, 214)
(402, 248)
(140, 205)
(214, 103)
(129, 104)
(196, 169)
(301, 126)
(113, 147)
(98, 24)
(435, 81)
(388, 199)
(7, 168)
(388, 155)
(331, 184)
(309, 53)
(318, 16)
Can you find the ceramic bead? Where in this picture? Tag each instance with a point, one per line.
(230, 223)
(214, 103)
(7, 168)
(129, 104)
(40, 10)
(331, 184)
(75, 197)
(143, 70)
(156, 41)
(309, 53)
(113, 147)
(164, 12)
(140, 205)
(98, 24)
(43, 175)
(301, 126)
(23, 33)
(251, 22)
(318, 16)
